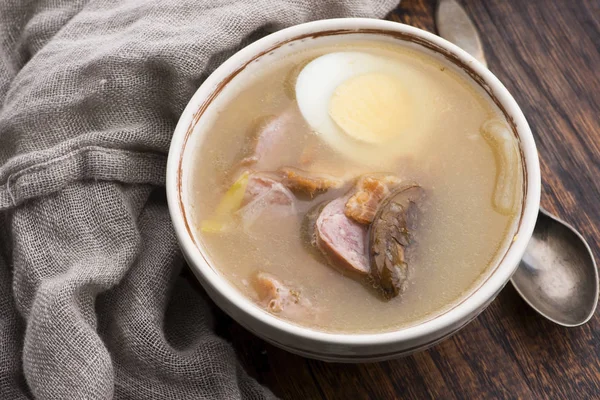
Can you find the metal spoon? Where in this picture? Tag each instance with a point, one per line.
(557, 276)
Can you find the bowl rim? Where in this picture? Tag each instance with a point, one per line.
(469, 305)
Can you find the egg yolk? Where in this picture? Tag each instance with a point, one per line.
(372, 108)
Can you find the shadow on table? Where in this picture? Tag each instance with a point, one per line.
(529, 349)
(508, 351)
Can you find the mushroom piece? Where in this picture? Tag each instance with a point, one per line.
(508, 178)
(390, 236)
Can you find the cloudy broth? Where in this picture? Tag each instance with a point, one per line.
(460, 234)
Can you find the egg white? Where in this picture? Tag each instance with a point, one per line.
(317, 83)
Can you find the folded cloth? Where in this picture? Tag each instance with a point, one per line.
(91, 302)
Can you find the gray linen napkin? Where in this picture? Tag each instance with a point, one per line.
(91, 302)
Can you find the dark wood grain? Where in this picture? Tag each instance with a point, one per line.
(547, 53)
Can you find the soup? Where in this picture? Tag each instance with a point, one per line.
(357, 188)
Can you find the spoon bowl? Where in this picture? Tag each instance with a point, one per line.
(557, 275)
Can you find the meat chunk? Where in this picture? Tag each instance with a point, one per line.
(264, 195)
(259, 184)
(341, 239)
(269, 133)
(301, 181)
(370, 191)
(390, 236)
(281, 299)
(271, 141)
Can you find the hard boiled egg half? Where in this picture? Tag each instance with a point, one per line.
(369, 108)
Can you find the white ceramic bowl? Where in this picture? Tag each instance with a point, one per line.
(327, 346)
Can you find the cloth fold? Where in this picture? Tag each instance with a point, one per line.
(91, 302)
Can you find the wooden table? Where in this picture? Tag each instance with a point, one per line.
(547, 53)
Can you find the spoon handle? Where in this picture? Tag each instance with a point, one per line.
(454, 25)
